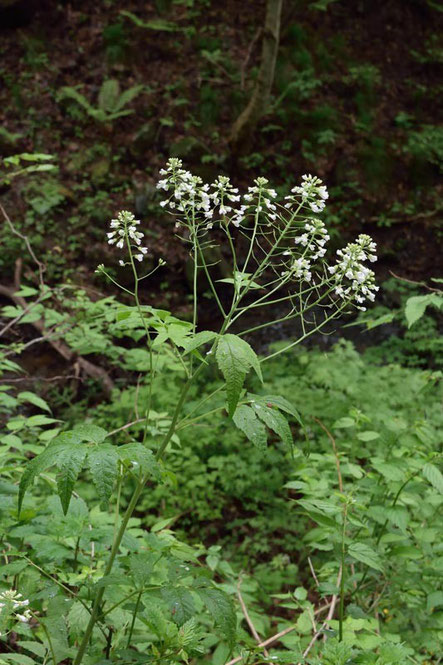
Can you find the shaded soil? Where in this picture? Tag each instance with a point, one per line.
(371, 63)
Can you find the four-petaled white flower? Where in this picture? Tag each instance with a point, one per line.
(125, 233)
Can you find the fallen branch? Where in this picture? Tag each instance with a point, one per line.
(41, 266)
(278, 636)
(326, 621)
(248, 618)
(86, 366)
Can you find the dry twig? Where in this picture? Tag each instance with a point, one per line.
(248, 618)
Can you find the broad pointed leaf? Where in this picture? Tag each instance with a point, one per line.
(102, 461)
(69, 462)
(246, 420)
(275, 421)
(199, 339)
(235, 357)
(221, 607)
(180, 603)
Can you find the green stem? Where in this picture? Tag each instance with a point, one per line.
(115, 547)
(134, 616)
(342, 577)
(51, 647)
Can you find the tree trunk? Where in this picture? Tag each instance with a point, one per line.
(244, 126)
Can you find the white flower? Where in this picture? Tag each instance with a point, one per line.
(311, 191)
(125, 230)
(350, 266)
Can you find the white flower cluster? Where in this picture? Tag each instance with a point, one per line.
(263, 196)
(12, 603)
(314, 239)
(201, 204)
(312, 193)
(125, 230)
(301, 269)
(350, 266)
(188, 195)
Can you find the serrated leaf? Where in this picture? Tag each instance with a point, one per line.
(275, 421)
(433, 474)
(416, 306)
(235, 358)
(398, 515)
(180, 603)
(78, 619)
(38, 464)
(280, 403)
(247, 421)
(91, 433)
(222, 610)
(141, 566)
(19, 658)
(142, 456)
(33, 399)
(102, 462)
(70, 463)
(199, 339)
(364, 553)
(35, 647)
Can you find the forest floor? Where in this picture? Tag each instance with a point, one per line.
(356, 97)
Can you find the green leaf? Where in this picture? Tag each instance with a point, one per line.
(38, 464)
(246, 420)
(35, 647)
(398, 515)
(127, 96)
(235, 358)
(142, 565)
(343, 423)
(70, 463)
(199, 339)
(416, 306)
(367, 436)
(364, 553)
(280, 402)
(78, 619)
(33, 399)
(221, 607)
(433, 474)
(39, 420)
(144, 458)
(17, 658)
(275, 421)
(102, 462)
(156, 24)
(435, 599)
(180, 603)
(90, 433)
(108, 95)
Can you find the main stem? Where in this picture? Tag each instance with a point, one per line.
(128, 513)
